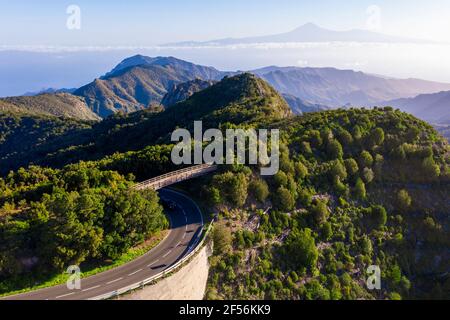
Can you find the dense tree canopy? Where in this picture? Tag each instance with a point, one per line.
(342, 200)
(57, 218)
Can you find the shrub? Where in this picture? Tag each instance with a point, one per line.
(334, 149)
(305, 197)
(365, 159)
(368, 175)
(403, 200)
(233, 187)
(301, 171)
(338, 170)
(352, 166)
(259, 189)
(222, 239)
(327, 231)
(379, 215)
(283, 199)
(360, 189)
(376, 137)
(300, 250)
(320, 212)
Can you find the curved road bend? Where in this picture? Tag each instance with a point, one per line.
(186, 224)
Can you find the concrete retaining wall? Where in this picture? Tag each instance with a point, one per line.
(188, 283)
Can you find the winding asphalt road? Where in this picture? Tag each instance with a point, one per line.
(186, 224)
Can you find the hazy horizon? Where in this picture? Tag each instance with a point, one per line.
(144, 23)
(25, 71)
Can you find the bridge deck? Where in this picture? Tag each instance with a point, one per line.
(173, 177)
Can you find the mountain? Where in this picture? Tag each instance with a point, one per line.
(182, 91)
(355, 188)
(434, 108)
(241, 99)
(133, 61)
(202, 72)
(444, 130)
(60, 105)
(336, 88)
(306, 33)
(299, 106)
(50, 90)
(139, 82)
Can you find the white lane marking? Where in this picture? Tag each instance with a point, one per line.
(184, 235)
(168, 252)
(185, 218)
(191, 201)
(90, 288)
(134, 272)
(152, 263)
(179, 242)
(64, 295)
(114, 281)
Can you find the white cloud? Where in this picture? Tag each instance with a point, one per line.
(356, 64)
(52, 49)
(257, 46)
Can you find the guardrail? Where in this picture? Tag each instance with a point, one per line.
(158, 183)
(197, 245)
(175, 176)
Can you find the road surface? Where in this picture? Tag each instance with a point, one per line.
(186, 224)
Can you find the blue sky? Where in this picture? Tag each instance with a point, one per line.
(154, 22)
(129, 26)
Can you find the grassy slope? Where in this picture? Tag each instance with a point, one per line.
(60, 105)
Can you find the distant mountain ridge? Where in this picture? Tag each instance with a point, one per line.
(300, 106)
(183, 91)
(336, 88)
(434, 107)
(308, 32)
(50, 90)
(203, 72)
(139, 82)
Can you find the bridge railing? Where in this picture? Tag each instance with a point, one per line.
(175, 176)
(195, 247)
(157, 183)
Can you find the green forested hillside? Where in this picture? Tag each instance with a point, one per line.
(50, 219)
(235, 100)
(24, 137)
(355, 188)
